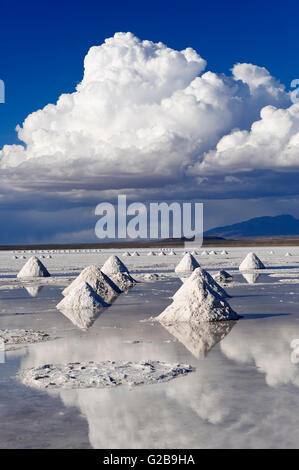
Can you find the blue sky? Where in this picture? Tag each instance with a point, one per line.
(43, 45)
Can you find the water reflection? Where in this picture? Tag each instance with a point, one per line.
(220, 405)
(33, 290)
(200, 338)
(267, 344)
(251, 278)
(243, 394)
(82, 318)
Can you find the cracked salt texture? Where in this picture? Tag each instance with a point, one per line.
(104, 374)
(22, 336)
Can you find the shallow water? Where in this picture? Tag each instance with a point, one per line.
(244, 392)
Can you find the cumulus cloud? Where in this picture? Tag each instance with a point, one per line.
(142, 112)
(154, 122)
(272, 142)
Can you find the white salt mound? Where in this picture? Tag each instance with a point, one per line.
(151, 253)
(200, 275)
(82, 297)
(187, 264)
(197, 303)
(251, 262)
(161, 253)
(33, 268)
(212, 252)
(135, 253)
(126, 253)
(98, 281)
(123, 281)
(114, 265)
(204, 252)
(288, 254)
(223, 252)
(222, 276)
(104, 374)
(172, 253)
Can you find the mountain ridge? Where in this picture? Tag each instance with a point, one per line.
(266, 226)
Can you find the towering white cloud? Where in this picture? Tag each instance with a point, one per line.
(272, 143)
(143, 112)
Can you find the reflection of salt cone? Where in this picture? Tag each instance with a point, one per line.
(33, 291)
(200, 338)
(82, 318)
(251, 278)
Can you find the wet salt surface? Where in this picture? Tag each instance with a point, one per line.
(244, 392)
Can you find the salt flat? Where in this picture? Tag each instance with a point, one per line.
(242, 393)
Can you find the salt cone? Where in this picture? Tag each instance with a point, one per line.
(33, 268)
(114, 265)
(187, 264)
(82, 297)
(200, 275)
(99, 282)
(196, 304)
(251, 262)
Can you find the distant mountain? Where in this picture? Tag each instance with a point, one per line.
(281, 225)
